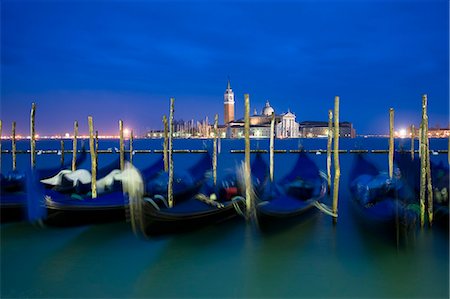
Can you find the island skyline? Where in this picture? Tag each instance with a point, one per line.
(125, 60)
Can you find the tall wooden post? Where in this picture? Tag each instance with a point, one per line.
(96, 149)
(413, 136)
(165, 145)
(74, 152)
(391, 142)
(121, 146)
(216, 123)
(337, 168)
(271, 146)
(170, 185)
(93, 158)
(33, 135)
(247, 170)
(13, 141)
(426, 165)
(329, 143)
(423, 161)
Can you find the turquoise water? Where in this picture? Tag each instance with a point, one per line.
(306, 259)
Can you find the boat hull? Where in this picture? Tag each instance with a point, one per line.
(165, 222)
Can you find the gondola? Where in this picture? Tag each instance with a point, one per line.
(210, 205)
(384, 206)
(77, 207)
(14, 189)
(296, 197)
(410, 172)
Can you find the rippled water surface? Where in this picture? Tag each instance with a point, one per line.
(305, 259)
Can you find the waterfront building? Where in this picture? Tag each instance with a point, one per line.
(285, 124)
(228, 103)
(310, 129)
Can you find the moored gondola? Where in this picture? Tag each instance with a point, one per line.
(15, 187)
(296, 197)
(383, 205)
(210, 205)
(410, 172)
(75, 207)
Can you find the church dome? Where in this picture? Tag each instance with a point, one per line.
(267, 110)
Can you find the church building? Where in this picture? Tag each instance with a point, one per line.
(285, 124)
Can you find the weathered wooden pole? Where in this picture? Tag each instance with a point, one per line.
(131, 146)
(33, 135)
(391, 142)
(96, 149)
(93, 158)
(329, 143)
(337, 168)
(170, 184)
(121, 146)
(62, 152)
(74, 151)
(247, 170)
(271, 146)
(423, 161)
(165, 145)
(413, 136)
(216, 124)
(13, 141)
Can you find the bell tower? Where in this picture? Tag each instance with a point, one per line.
(228, 104)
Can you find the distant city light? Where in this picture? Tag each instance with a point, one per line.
(67, 135)
(126, 132)
(402, 133)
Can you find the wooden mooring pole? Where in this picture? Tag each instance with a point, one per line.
(33, 136)
(271, 146)
(170, 184)
(247, 170)
(329, 143)
(74, 151)
(96, 149)
(121, 146)
(93, 158)
(13, 141)
(426, 165)
(337, 168)
(423, 161)
(165, 145)
(391, 142)
(216, 124)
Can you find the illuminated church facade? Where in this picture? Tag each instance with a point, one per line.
(285, 123)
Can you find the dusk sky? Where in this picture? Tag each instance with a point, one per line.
(124, 60)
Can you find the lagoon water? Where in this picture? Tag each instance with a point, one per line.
(305, 259)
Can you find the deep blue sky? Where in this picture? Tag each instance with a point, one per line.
(126, 59)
